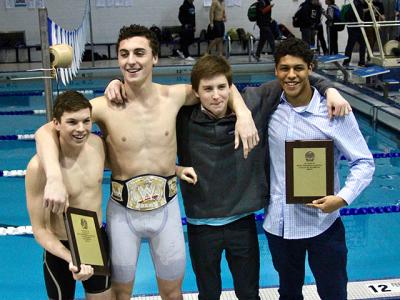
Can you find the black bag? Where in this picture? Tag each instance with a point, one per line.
(337, 18)
(300, 17)
(252, 12)
(157, 31)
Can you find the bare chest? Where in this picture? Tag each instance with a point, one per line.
(138, 127)
(83, 182)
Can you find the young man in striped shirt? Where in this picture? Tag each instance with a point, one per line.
(316, 228)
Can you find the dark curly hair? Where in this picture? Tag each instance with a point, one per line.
(133, 30)
(294, 47)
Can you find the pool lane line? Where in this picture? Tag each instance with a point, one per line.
(21, 173)
(7, 229)
(28, 137)
(41, 93)
(23, 112)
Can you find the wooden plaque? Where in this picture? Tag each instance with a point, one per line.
(309, 170)
(85, 240)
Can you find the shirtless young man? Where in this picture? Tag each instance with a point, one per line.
(217, 19)
(141, 144)
(82, 156)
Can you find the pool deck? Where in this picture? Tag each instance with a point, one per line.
(375, 289)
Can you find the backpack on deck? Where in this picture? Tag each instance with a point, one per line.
(337, 17)
(252, 12)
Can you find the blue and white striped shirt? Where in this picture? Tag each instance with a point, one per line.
(311, 122)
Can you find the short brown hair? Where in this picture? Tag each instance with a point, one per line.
(209, 66)
(133, 30)
(69, 101)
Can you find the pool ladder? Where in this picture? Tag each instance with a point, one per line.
(374, 113)
(250, 47)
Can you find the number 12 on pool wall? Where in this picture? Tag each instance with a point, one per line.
(392, 287)
(380, 288)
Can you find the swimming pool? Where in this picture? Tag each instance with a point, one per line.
(371, 226)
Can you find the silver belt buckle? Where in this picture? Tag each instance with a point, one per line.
(146, 192)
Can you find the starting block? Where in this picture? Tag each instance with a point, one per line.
(336, 59)
(375, 71)
(331, 58)
(370, 71)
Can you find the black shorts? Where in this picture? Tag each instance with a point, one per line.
(58, 278)
(219, 29)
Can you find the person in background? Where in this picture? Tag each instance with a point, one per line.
(264, 23)
(354, 34)
(310, 12)
(320, 31)
(217, 25)
(187, 17)
(330, 28)
(315, 229)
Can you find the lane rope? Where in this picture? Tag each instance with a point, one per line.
(23, 112)
(27, 137)
(21, 173)
(27, 230)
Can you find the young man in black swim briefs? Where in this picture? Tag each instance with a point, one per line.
(82, 157)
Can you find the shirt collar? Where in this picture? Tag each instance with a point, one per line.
(313, 105)
(229, 113)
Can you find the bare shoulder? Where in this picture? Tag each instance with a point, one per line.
(96, 143)
(175, 94)
(181, 94)
(99, 108)
(98, 101)
(35, 177)
(34, 165)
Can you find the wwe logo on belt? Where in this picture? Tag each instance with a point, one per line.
(147, 192)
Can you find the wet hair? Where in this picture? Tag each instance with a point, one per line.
(133, 30)
(294, 47)
(209, 66)
(69, 101)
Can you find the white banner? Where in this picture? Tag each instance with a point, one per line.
(207, 3)
(233, 2)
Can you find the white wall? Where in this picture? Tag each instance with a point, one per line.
(107, 21)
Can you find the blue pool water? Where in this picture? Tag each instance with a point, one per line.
(372, 238)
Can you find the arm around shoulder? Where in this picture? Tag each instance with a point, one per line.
(34, 184)
(47, 145)
(337, 105)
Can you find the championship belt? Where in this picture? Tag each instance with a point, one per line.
(145, 192)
